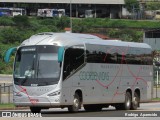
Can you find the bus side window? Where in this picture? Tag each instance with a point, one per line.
(74, 58)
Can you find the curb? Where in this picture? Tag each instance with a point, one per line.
(15, 108)
(154, 101)
(5, 74)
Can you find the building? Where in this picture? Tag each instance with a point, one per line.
(80, 8)
(152, 37)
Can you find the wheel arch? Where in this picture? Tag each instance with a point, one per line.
(130, 91)
(137, 90)
(80, 94)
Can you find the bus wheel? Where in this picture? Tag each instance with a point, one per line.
(127, 103)
(135, 101)
(76, 104)
(35, 109)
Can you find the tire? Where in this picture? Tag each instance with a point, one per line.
(128, 101)
(76, 104)
(35, 109)
(135, 101)
(91, 108)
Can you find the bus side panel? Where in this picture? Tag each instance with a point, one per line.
(108, 83)
(66, 97)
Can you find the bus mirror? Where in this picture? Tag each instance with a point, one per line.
(8, 54)
(60, 54)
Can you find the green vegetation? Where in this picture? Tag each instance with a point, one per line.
(153, 6)
(156, 99)
(7, 106)
(130, 4)
(14, 30)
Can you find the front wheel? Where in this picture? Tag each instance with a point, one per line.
(76, 104)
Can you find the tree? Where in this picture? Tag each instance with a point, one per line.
(130, 4)
(21, 21)
(153, 5)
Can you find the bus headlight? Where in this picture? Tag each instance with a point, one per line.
(17, 94)
(54, 93)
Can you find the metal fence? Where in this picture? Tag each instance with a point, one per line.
(6, 93)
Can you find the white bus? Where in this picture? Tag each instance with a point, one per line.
(89, 13)
(51, 13)
(72, 70)
(12, 11)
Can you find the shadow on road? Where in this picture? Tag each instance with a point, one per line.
(81, 113)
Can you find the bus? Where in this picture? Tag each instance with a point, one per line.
(12, 11)
(4, 12)
(58, 70)
(51, 13)
(89, 13)
(17, 11)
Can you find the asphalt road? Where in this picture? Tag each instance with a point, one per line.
(152, 110)
(106, 112)
(146, 108)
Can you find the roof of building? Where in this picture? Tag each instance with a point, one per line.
(68, 1)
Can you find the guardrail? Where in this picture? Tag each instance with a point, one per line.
(6, 93)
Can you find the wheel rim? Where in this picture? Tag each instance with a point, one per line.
(135, 101)
(76, 103)
(128, 102)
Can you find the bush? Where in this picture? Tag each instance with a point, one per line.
(5, 68)
(126, 34)
(10, 35)
(6, 21)
(21, 22)
(152, 5)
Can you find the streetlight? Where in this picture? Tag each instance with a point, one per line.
(71, 16)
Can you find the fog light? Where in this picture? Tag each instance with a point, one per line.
(17, 94)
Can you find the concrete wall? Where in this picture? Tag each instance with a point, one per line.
(153, 42)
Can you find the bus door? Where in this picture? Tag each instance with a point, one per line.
(73, 63)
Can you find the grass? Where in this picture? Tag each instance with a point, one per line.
(156, 99)
(7, 106)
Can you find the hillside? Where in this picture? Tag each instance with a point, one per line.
(13, 30)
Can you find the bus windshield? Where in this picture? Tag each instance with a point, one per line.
(36, 65)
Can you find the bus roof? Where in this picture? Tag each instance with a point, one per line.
(70, 39)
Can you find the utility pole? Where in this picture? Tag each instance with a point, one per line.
(71, 16)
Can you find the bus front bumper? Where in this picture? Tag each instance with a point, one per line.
(37, 101)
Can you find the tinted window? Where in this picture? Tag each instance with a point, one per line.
(74, 58)
(118, 55)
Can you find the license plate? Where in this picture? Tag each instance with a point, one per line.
(34, 100)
